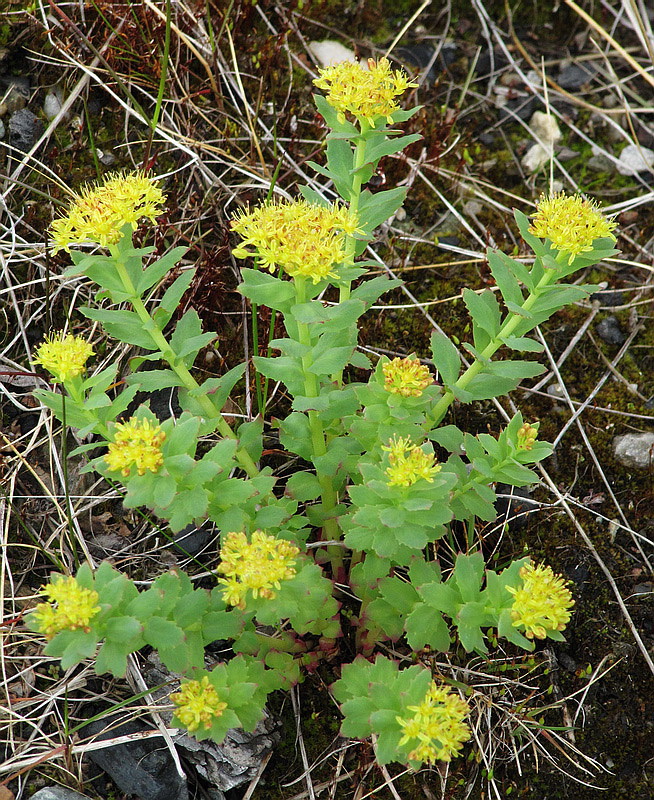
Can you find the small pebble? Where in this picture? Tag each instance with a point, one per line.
(609, 330)
(51, 105)
(555, 390)
(634, 159)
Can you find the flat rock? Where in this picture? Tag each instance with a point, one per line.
(634, 450)
(143, 767)
(57, 793)
(575, 76)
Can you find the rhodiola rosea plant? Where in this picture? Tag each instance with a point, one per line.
(382, 477)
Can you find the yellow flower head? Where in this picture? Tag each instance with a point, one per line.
(97, 214)
(305, 239)
(136, 443)
(437, 724)
(409, 463)
(70, 607)
(366, 93)
(64, 356)
(542, 603)
(197, 704)
(259, 566)
(406, 377)
(571, 223)
(527, 436)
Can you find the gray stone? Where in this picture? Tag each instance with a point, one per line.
(634, 159)
(600, 163)
(576, 75)
(57, 793)
(634, 450)
(143, 767)
(24, 129)
(610, 331)
(235, 761)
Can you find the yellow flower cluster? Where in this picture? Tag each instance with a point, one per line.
(368, 94)
(258, 566)
(542, 603)
(527, 436)
(97, 214)
(306, 240)
(138, 443)
(70, 607)
(64, 356)
(197, 704)
(409, 463)
(571, 223)
(406, 377)
(438, 725)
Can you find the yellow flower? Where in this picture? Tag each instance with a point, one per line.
(71, 607)
(542, 603)
(64, 356)
(406, 376)
(571, 223)
(527, 436)
(409, 463)
(368, 94)
(97, 214)
(197, 704)
(438, 725)
(259, 566)
(138, 443)
(306, 240)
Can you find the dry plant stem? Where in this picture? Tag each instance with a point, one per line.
(318, 442)
(510, 324)
(177, 366)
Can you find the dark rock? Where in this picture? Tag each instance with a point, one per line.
(421, 55)
(58, 793)
(24, 129)
(143, 767)
(452, 241)
(490, 62)
(487, 138)
(513, 505)
(521, 107)
(609, 330)
(191, 540)
(16, 91)
(608, 298)
(576, 75)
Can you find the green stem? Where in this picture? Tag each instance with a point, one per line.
(355, 194)
(318, 441)
(177, 365)
(508, 326)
